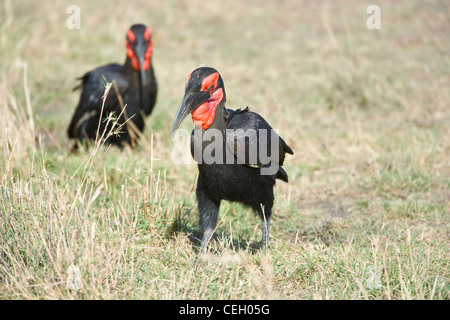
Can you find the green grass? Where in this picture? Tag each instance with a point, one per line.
(364, 216)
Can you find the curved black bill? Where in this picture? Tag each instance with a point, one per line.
(190, 102)
(140, 54)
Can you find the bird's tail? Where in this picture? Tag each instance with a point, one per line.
(282, 175)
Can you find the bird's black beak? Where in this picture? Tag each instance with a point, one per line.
(190, 102)
(140, 54)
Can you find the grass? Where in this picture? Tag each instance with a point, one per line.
(364, 216)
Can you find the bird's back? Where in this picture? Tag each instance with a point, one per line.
(93, 84)
(270, 147)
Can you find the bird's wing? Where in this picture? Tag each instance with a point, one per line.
(251, 140)
(93, 88)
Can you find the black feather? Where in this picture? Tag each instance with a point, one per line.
(86, 118)
(242, 180)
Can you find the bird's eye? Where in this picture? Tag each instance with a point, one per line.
(210, 82)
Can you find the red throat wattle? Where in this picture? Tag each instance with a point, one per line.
(203, 115)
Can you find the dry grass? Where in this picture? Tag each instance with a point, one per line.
(366, 212)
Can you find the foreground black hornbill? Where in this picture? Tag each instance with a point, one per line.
(233, 174)
(137, 88)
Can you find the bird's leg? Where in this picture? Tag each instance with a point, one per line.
(265, 234)
(209, 211)
(207, 234)
(208, 220)
(265, 214)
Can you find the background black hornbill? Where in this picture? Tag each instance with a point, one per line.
(137, 88)
(242, 179)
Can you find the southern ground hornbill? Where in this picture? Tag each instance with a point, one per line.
(232, 150)
(135, 89)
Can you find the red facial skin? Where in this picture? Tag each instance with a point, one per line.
(203, 115)
(148, 53)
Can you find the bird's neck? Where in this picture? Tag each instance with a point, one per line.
(127, 68)
(202, 138)
(219, 122)
(134, 79)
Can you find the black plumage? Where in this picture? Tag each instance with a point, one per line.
(235, 175)
(134, 87)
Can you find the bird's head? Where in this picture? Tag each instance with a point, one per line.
(139, 48)
(203, 93)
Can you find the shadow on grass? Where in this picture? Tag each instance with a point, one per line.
(181, 224)
(325, 232)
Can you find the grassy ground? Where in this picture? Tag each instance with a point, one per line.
(364, 216)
